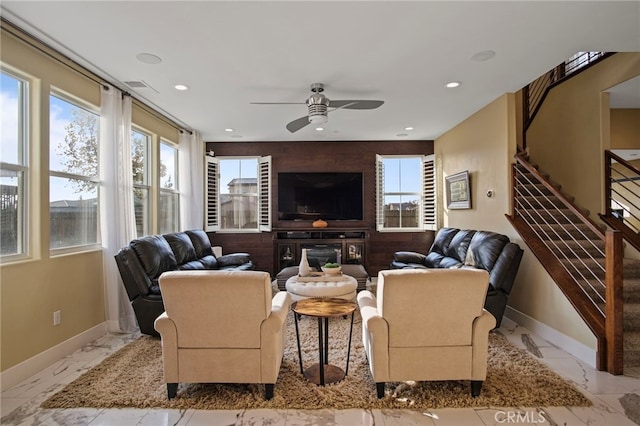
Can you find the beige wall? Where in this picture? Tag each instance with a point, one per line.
(572, 129)
(625, 128)
(481, 145)
(32, 289)
(485, 144)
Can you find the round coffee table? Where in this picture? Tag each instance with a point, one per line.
(323, 308)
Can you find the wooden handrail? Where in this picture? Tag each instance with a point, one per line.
(622, 161)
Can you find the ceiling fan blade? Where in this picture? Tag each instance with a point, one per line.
(298, 124)
(277, 103)
(355, 104)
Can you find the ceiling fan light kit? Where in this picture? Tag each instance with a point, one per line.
(318, 107)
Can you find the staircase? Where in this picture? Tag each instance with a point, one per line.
(584, 260)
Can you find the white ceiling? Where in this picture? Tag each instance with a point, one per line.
(233, 53)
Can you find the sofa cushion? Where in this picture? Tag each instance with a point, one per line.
(209, 262)
(181, 246)
(194, 265)
(484, 249)
(450, 263)
(442, 240)
(200, 242)
(433, 259)
(459, 245)
(155, 255)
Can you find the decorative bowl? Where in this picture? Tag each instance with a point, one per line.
(332, 271)
(319, 223)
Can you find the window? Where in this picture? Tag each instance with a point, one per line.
(405, 193)
(74, 173)
(140, 143)
(238, 194)
(14, 143)
(169, 207)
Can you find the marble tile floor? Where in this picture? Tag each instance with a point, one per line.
(616, 399)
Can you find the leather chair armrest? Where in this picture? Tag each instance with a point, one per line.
(169, 334)
(233, 259)
(409, 257)
(506, 267)
(135, 279)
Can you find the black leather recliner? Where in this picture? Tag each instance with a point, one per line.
(143, 261)
(455, 248)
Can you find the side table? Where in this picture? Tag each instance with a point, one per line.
(323, 309)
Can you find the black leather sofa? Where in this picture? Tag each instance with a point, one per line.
(143, 261)
(455, 248)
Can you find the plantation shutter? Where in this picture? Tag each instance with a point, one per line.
(212, 202)
(379, 193)
(429, 221)
(264, 193)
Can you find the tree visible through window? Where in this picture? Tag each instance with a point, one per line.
(74, 174)
(140, 143)
(169, 206)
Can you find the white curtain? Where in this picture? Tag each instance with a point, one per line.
(117, 220)
(191, 175)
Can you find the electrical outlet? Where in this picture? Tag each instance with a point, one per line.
(56, 318)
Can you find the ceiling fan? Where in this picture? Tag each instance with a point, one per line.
(319, 106)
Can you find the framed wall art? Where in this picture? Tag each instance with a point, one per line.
(458, 191)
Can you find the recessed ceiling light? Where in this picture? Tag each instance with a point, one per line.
(319, 129)
(408, 128)
(485, 55)
(452, 84)
(148, 58)
(228, 129)
(181, 87)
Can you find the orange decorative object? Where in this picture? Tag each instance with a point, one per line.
(319, 223)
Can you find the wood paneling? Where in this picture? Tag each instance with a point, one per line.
(325, 156)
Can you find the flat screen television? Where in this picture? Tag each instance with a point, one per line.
(327, 196)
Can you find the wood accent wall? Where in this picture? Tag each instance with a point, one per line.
(324, 156)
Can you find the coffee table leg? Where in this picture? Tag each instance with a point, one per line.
(321, 350)
(295, 317)
(346, 370)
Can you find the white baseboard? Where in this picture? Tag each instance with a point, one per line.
(16, 374)
(564, 342)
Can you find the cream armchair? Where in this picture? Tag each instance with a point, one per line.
(221, 327)
(427, 324)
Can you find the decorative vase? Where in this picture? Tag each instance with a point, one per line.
(303, 269)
